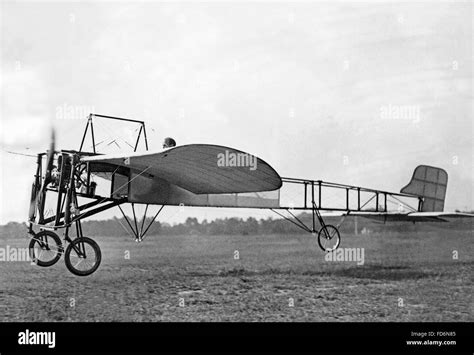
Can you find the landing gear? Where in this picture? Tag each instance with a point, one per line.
(82, 256)
(329, 238)
(46, 248)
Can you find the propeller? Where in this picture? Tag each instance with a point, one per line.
(49, 160)
(38, 194)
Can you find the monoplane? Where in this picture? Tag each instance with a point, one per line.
(199, 175)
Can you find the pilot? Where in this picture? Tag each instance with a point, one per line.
(169, 143)
(55, 175)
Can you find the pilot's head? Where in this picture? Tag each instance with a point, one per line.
(55, 174)
(169, 143)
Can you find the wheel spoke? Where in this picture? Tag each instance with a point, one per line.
(45, 248)
(329, 238)
(83, 256)
(78, 263)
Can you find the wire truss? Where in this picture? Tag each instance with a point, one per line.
(139, 229)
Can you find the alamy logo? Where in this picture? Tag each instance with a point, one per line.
(37, 338)
(346, 254)
(400, 112)
(14, 254)
(73, 112)
(227, 159)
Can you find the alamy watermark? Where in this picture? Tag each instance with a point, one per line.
(73, 112)
(400, 112)
(347, 254)
(234, 159)
(14, 254)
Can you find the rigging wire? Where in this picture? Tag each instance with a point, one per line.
(17, 153)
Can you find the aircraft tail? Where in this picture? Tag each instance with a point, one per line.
(430, 183)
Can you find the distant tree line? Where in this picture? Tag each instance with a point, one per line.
(237, 226)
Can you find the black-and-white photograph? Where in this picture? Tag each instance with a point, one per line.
(237, 161)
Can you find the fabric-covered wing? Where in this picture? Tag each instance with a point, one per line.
(412, 216)
(201, 168)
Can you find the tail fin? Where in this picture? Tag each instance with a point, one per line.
(430, 183)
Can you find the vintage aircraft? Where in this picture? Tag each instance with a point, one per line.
(199, 175)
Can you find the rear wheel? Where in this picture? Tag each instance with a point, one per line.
(45, 248)
(329, 238)
(82, 256)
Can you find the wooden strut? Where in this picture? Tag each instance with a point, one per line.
(316, 214)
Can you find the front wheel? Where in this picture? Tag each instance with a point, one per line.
(329, 238)
(82, 256)
(45, 248)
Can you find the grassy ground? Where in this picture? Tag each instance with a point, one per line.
(405, 277)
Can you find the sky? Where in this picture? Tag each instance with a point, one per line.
(351, 92)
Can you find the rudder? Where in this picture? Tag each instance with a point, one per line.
(430, 183)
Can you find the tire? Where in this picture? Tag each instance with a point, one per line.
(326, 238)
(45, 248)
(74, 256)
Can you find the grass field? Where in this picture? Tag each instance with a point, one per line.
(405, 277)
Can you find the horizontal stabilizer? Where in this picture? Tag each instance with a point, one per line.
(413, 216)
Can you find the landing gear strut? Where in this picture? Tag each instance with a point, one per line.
(329, 238)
